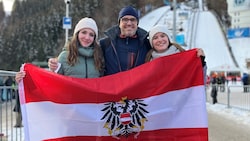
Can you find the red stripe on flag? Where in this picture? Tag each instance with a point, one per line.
(178, 71)
(188, 134)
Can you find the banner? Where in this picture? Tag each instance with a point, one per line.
(163, 100)
(238, 33)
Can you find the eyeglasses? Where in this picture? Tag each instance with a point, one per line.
(126, 20)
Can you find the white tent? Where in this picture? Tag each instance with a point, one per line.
(225, 68)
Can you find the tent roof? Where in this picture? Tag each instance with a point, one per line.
(225, 68)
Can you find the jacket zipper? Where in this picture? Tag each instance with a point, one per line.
(86, 67)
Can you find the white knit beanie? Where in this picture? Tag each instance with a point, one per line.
(156, 29)
(86, 23)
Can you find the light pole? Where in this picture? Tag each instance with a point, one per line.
(174, 19)
(201, 5)
(67, 2)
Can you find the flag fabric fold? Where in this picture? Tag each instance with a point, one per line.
(157, 101)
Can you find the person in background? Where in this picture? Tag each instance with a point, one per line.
(221, 81)
(8, 82)
(17, 109)
(214, 90)
(1, 89)
(244, 80)
(82, 57)
(125, 45)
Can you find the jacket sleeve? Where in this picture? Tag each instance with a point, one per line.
(203, 61)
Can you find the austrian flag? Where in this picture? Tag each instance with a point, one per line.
(162, 100)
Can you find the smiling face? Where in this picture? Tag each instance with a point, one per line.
(86, 37)
(160, 42)
(128, 25)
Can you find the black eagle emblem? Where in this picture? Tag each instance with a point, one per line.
(125, 117)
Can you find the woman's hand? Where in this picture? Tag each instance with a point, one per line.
(200, 52)
(53, 64)
(19, 76)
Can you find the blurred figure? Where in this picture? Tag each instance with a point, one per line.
(221, 82)
(234, 79)
(244, 80)
(1, 90)
(9, 81)
(214, 82)
(17, 109)
(208, 81)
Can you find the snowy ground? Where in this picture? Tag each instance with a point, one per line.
(240, 116)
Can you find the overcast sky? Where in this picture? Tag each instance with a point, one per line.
(8, 5)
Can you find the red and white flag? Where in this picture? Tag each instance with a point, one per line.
(163, 100)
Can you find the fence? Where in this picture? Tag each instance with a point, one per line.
(232, 95)
(8, 118)
(9, 130)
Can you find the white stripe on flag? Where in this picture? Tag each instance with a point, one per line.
(176, 109)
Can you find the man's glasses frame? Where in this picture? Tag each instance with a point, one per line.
(126, 20)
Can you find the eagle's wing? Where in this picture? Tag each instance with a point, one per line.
(138, 112)
(111, 115)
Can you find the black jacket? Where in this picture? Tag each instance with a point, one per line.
(116, 57)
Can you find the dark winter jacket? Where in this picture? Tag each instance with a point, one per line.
(9, 81)
(245, 78)
(121, 54)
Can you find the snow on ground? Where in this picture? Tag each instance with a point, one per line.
(240, 116)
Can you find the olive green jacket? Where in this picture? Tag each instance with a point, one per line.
(83, 68)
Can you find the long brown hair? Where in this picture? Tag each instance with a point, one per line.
(72, 47)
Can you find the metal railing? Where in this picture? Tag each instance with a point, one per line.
(10, 129)
(8, 117)
(232, 95)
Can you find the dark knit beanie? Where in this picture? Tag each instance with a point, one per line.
(129, 10)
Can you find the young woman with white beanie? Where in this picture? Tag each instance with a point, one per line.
(163, 45)
(82, 57)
